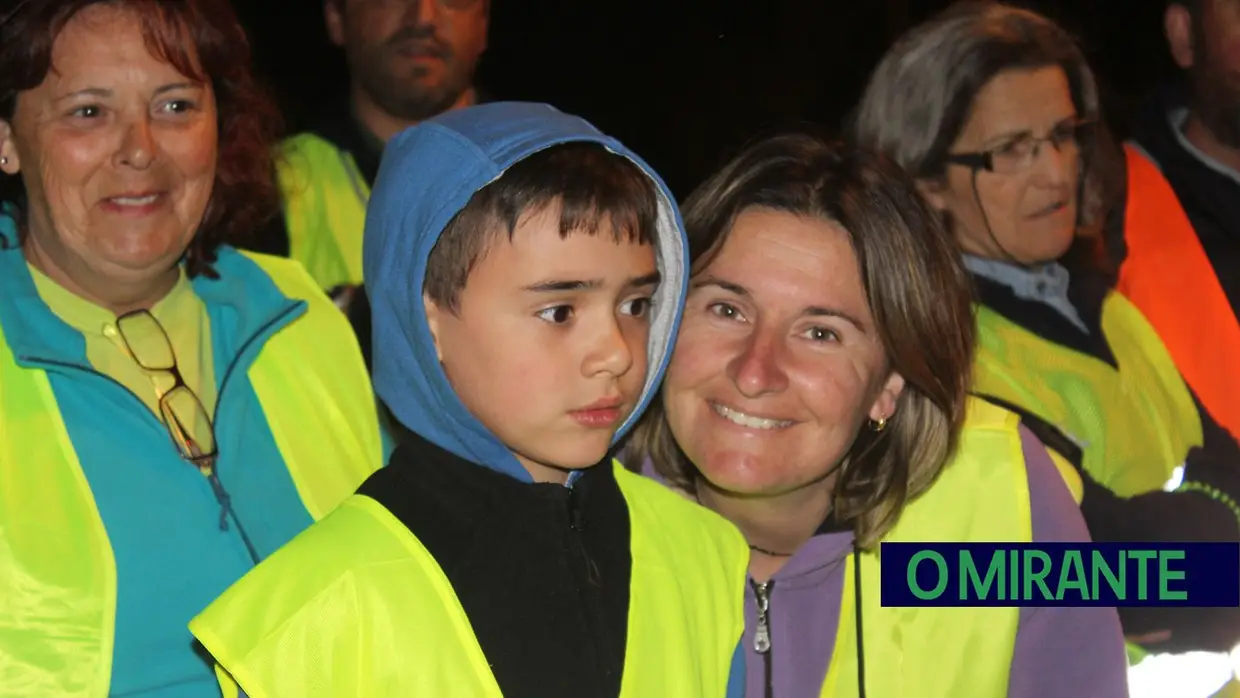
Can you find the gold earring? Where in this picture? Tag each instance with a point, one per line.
(878, 424)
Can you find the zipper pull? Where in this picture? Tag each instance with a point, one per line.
(576, 513)
(221, 496)
(762, 636)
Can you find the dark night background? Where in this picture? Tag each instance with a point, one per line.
(686, 82)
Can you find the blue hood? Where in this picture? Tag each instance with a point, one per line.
(428, 174)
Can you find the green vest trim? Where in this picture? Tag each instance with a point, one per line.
(1134, 425)
(57, 571)
(328, 615)
(982, 495)
(325, 199)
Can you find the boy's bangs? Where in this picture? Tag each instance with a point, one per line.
(628, 223)
(592, 187)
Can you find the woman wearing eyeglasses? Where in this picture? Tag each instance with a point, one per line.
(996, 112)
(171, 410)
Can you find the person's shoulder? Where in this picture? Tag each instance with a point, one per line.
(305, 158)
(649, 471)
(654, 492)
(672, 532)
(676, 511)
(309, 144)
(289, 276)
(358, 533)
(350, 580)
(320, 568)
(988, 431)
(1054, 485)
(982, 414)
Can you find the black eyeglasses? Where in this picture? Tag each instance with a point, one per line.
(184, 415)
(1022, 152)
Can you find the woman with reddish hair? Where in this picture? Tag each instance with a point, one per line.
(171, 410)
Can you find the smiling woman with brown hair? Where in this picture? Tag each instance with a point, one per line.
(817, 398)
(171, 410)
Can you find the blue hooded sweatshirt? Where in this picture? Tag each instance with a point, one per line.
(445, 161)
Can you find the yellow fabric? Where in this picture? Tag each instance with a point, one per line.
(680, 644)
(57, 572)
(324, 209)
(56, 566)
(184, 318)
(1134, 425)
(981, 496)
(228, 687)
(356, 606)
(325, 422)
(1230, 690)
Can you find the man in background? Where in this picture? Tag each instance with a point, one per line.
(1177, 238)
(408, 60)
(1191, 130)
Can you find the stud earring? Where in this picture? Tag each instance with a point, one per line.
(878, 424)
(3, 160)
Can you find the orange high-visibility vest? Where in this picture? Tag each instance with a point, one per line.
(1167, 275)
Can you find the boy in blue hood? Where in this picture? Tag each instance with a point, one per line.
(527, 274)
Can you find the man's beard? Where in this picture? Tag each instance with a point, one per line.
(407, 95)
(1216, 102)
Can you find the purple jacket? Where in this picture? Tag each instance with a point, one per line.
(1059, 651)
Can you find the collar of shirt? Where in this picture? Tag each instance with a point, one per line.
(1047, 283)
(1178, 117)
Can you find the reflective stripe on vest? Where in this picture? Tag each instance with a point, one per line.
(983, 496)
(1134, 425)
(1167, 275)
(331, 614)
(57, 571)
(324, 209)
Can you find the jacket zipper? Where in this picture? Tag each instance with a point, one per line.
(263, 333)
(213, 477)
(587, 577)
(210, 473)
(762, 636)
